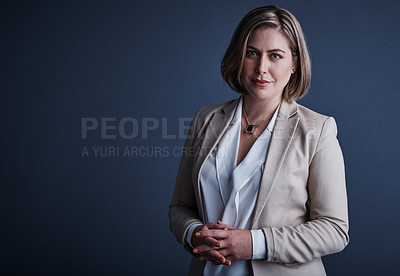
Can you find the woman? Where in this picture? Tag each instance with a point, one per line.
(261, 188)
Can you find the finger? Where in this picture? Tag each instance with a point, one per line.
(225, 252)
(224, 243)
(228, 262)
(225, 225)
(203, 248)
(215, 226)
(219, 234)
(218, 258)
(213, 261)
(207, 241)
(213, 256)
(212, 242)
(205, 257)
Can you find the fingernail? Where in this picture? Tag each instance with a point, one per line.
(197, 234)
(195, 250)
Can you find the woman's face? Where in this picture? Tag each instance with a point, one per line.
(267, 65)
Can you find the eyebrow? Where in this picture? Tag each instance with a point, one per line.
(268, 51)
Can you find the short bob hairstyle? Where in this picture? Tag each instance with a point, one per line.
(269, 17)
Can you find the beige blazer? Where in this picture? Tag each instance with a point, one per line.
(302, 203)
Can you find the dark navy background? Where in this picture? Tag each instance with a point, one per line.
(67, 214)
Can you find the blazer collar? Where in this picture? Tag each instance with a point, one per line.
(287, 110)
(229, 110)
(216, 127)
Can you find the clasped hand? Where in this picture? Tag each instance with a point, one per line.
(221, 243)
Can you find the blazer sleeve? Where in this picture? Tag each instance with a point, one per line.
(183, 210)
(327, 230)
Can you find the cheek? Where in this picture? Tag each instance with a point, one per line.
(244, 71)
(248, 67)
(284, 73)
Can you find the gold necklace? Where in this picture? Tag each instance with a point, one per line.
(251, 128)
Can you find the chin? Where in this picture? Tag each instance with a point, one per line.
(264, 95)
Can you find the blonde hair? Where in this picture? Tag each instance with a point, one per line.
(269, 17)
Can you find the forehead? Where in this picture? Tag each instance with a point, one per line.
(268, 38)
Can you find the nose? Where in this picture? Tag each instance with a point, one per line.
(262, 66)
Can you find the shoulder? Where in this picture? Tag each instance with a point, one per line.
(307, 113)
(204, 115)
(314, 122)
(208, 110)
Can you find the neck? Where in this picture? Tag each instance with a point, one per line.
(259, 110)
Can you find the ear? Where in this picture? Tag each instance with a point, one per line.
(294, 67)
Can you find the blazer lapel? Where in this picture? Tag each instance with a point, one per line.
(284, 130)
(217, 126)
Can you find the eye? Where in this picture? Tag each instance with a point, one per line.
(251, 53)
(276, 56)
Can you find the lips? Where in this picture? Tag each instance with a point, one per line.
(260, 83)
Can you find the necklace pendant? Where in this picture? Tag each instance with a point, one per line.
(250, 129)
